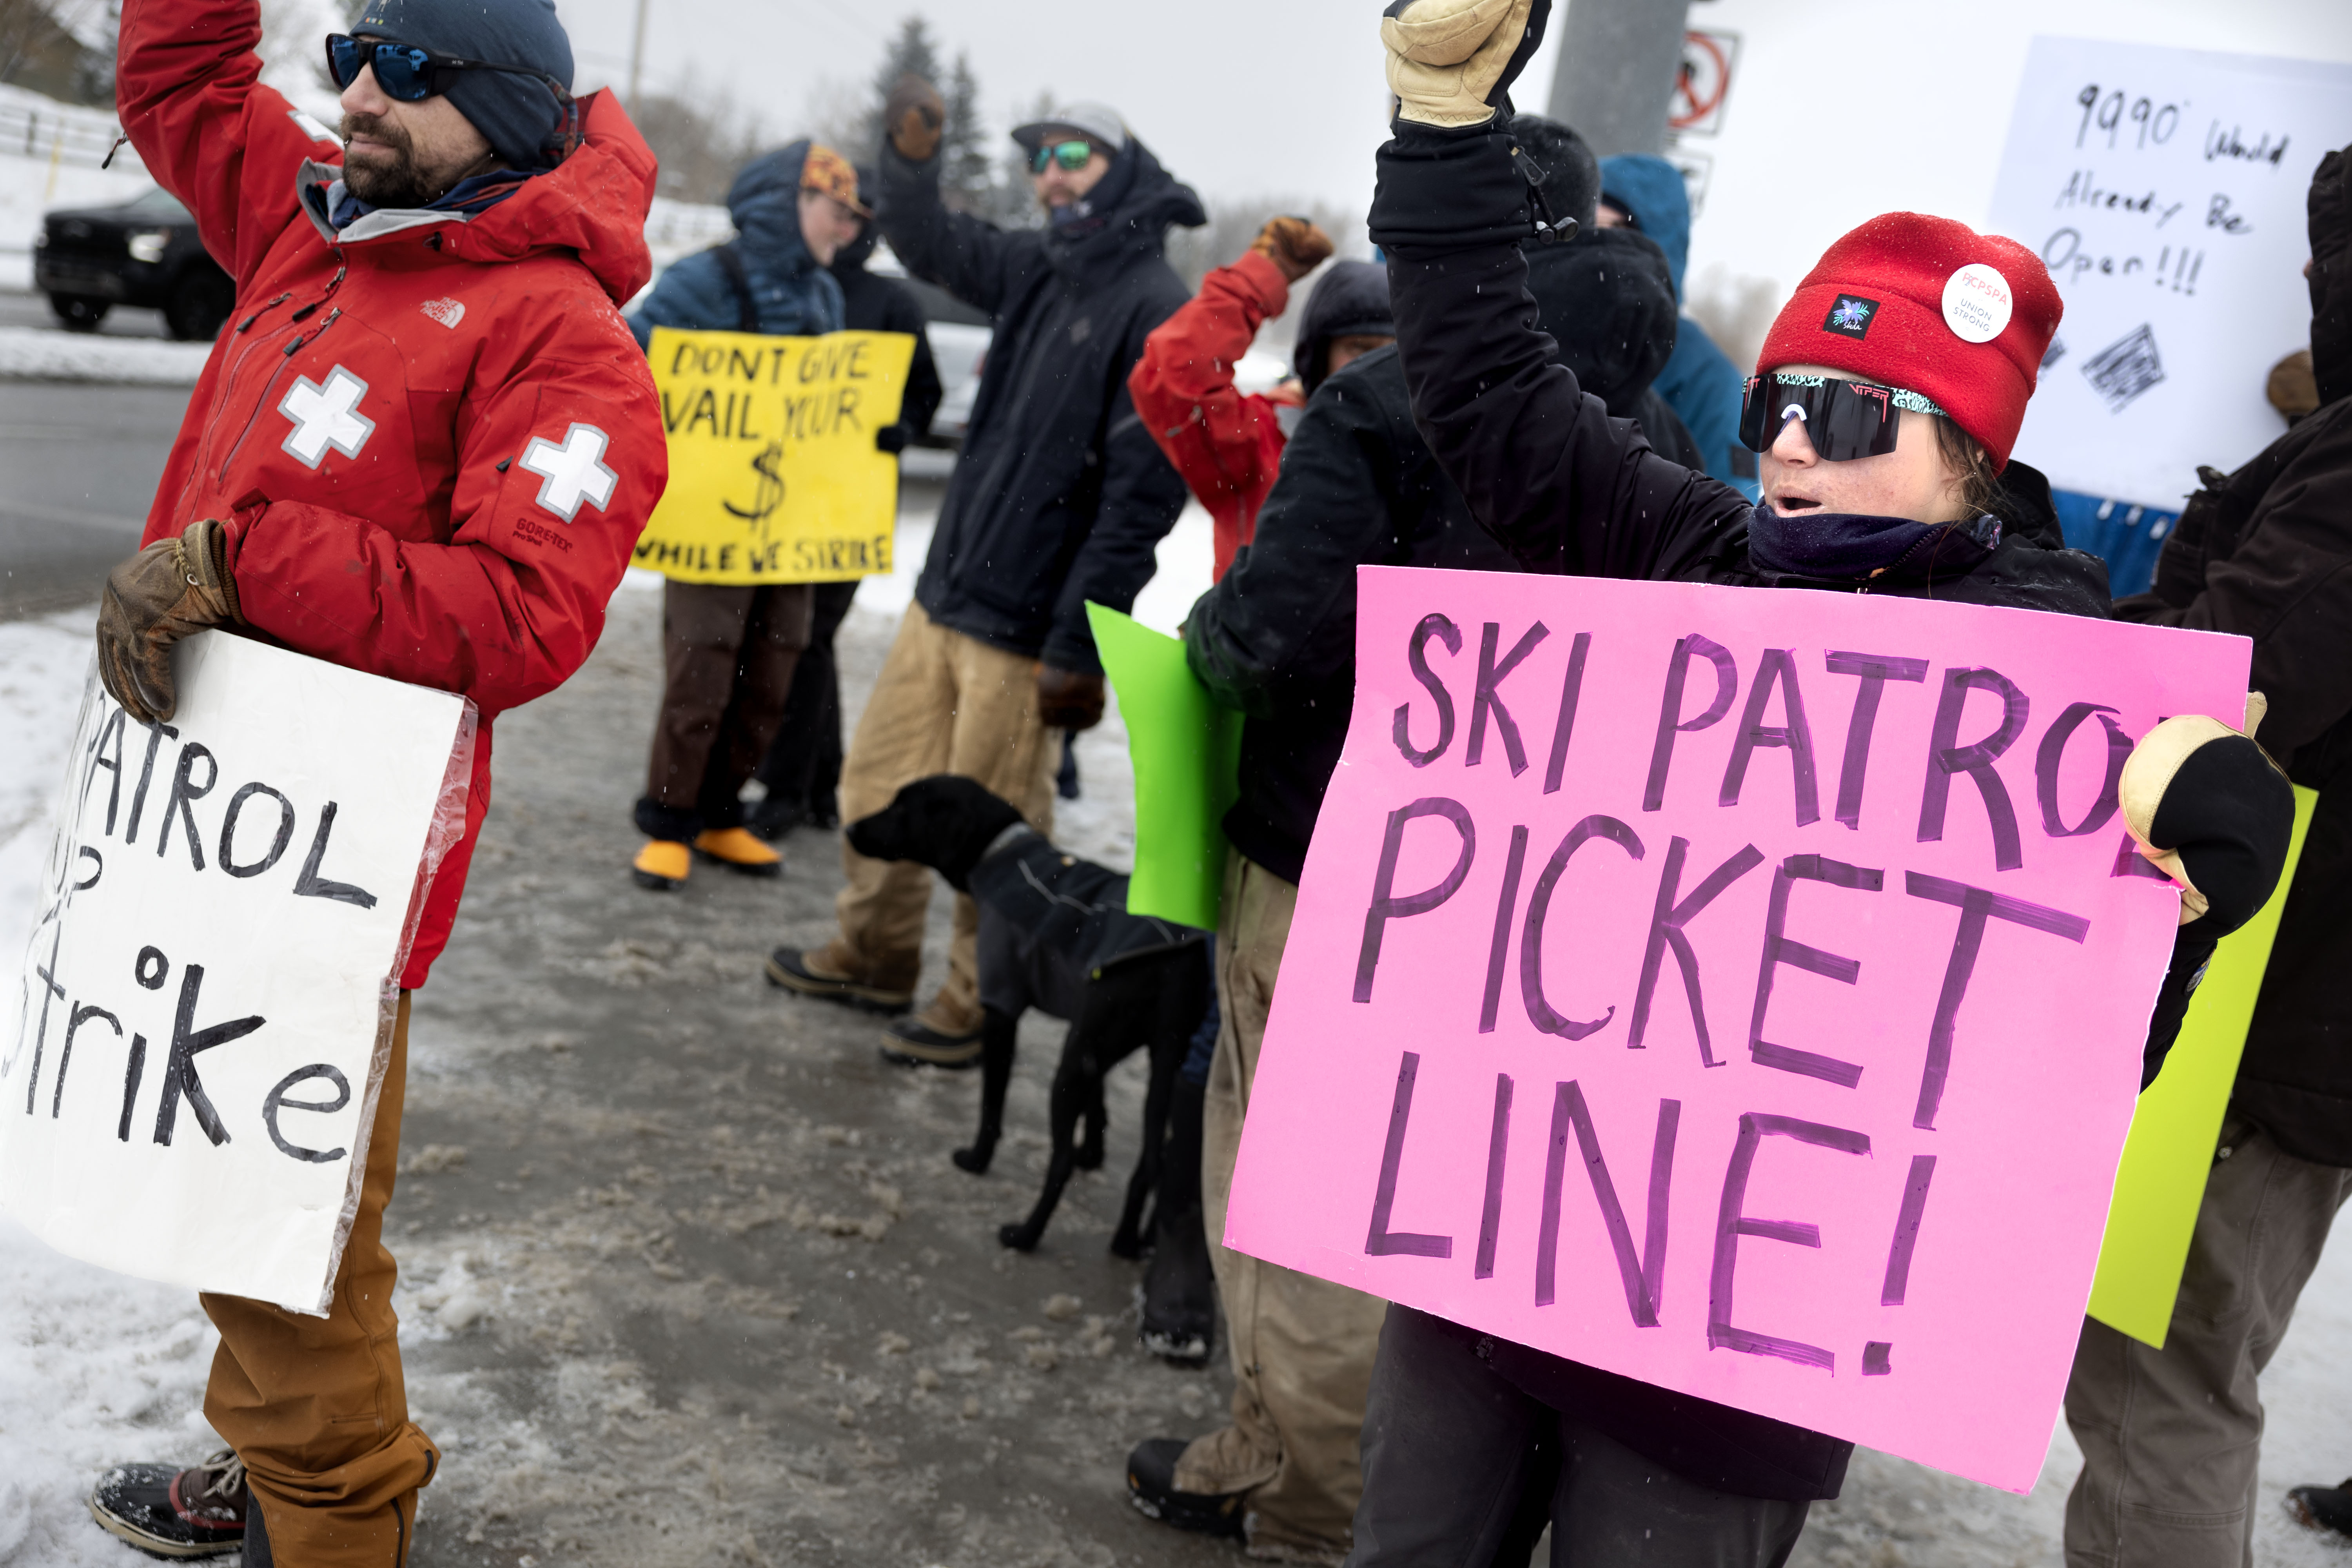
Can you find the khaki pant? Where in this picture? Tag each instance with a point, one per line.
(2172, 1439)
(729, 655)
(1302, 1348)
(944, 703)
(315, 1407)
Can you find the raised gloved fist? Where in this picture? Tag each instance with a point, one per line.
(1294, 244)
(173, 588)
(2213, 812)
(1452, 61)
(1067, 700)
(912, 118)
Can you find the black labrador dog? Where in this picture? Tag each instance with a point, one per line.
(1054, 934)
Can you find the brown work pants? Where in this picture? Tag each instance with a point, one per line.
(944, 703)
(1302, 1348)
(729, 654)
(315, 1407)
(2172, 1439)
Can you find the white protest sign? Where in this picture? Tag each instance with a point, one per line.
(189, 1082)
(2164, 189)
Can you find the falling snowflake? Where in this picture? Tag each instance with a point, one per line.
(1850, 314)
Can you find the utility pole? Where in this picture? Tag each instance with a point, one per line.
(637, 55)
(1618, 59)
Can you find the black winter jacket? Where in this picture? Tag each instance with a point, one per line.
(1607, 299)
(2267, 553)
(1061, 494)
(873, 303)
(1276, 639)
(1568, 488)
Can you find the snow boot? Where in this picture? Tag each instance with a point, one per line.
(819, 972)
(2327, 1509)
(661, 865)
(166, 1511)
(1151, 1488)
(739, 851)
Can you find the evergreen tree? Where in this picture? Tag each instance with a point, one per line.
(965, 175)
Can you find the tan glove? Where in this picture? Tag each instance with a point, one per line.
(1450, 60)
(1294, 244)
(173, 588)
(911, 119)
(1067, 700)
(2209, 807)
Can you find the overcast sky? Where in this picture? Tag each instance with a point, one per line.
(1842, 107)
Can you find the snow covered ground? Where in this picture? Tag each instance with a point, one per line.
(96, 1368)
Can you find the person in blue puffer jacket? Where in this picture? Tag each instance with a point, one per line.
(1702, 385)
(729, 651)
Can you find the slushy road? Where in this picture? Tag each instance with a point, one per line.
(79, 464)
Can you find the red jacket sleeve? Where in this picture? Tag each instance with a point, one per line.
(188, 87)
(1183, 385)
(515, 602)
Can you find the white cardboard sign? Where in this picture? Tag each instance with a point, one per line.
(191, 1073)
(2165, 190)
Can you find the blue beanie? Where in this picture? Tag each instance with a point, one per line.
(519, 114)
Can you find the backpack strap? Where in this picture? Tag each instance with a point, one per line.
(747, 310)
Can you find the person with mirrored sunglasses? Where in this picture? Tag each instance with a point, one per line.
(424, 448)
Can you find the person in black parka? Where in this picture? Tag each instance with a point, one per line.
(802, 768)
(2172, 1438)
(1060, 498)
(1472, 1444)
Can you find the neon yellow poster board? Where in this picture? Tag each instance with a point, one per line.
(773, 474)
(2170, 1152)
(1187, 756)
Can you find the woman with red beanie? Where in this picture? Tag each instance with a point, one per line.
(1892, 386)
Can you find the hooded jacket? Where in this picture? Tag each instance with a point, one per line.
(1608, 303)
(1699, 382)
(1060, 495)
(2266, 552)
(790, 294)
(873, 303)
(1568, 489)
(1227, 444)
(1276, 639)
(429, 434)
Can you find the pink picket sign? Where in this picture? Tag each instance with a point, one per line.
(1875, 842)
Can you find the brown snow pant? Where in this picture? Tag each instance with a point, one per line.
(729, 654)
(315, 1407)
(1302, 1348)
(944, 703)
(2172, 1439)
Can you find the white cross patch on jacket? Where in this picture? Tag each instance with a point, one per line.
(573, 472)
(325, 416)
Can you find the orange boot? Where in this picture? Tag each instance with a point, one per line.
(738, 850)
(661, 865)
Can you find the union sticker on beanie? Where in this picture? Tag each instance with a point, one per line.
(1930, 305)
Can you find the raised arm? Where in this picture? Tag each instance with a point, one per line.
(1545, 469)
(188, 88)
(971, 259)
(1183, 385)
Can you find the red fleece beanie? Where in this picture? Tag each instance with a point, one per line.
(1930, 305)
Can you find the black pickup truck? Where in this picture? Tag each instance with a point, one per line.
(144, 252)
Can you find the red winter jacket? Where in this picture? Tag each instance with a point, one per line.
(431, 436)
(1227, 444)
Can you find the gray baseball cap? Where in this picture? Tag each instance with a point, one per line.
(1098, 122)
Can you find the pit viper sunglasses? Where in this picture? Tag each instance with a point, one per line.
(1844, 419)
(1071, 155)
(409, 72)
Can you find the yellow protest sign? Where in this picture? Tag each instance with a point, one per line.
(773, 475)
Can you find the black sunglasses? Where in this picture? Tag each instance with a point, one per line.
(410, 73)
(1844, 419)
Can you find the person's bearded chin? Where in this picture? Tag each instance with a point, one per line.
(385, 179)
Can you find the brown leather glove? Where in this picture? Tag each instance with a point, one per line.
(1294, 244)
(911, 119)
(1067, 700)
(173, 588)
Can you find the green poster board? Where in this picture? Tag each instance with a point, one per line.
(2170, 1152)
(1187, 755)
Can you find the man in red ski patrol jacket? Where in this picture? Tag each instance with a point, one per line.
(424, 448)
